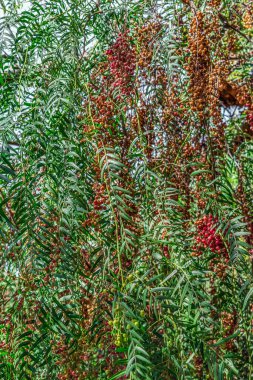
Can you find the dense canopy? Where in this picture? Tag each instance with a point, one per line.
(126, 182)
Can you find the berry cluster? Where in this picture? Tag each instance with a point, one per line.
(122, 62)
(248, 18)
(69, 375)
(146, 42)
(198, 65)
(166, 252)
(98, 205)
(207, 236)
(229, 324)
(103, 109)
(101, 198)
(198, 364)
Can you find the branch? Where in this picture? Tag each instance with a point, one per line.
(229, 26)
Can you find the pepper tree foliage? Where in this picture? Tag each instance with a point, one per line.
(126, 189)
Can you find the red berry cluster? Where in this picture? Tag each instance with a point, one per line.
(198, 364)
(166, 252)
(101, 198)
(229, 323)
(122, 62)
(86, 260)
(98, 205)
(103, 109)
(70, 375)
(207, 236)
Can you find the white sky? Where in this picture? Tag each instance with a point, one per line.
(23, 7)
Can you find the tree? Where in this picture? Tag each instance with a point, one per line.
(126, 190)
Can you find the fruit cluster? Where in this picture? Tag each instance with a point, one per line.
(97, 206)
(198, 65)
(229, 324)
(248, 18)
(103, 108)
(101, 197)
(207, 237)
(122, 63)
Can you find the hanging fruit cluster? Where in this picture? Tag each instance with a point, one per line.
(122, 64)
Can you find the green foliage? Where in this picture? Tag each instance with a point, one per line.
(125, 196)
